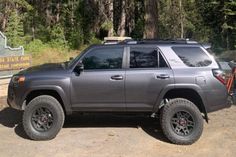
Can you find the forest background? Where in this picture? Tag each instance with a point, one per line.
(54, 30)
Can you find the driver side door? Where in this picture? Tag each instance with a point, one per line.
(100, 86)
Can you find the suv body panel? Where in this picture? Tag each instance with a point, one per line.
(139, 91)
(144, 86)
(95, 90)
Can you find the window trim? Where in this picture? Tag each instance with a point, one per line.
(103, 47)
(159, 52)
(163, 56)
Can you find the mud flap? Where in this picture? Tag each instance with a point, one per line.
(232, 99)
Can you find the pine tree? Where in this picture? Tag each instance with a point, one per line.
(14, 30)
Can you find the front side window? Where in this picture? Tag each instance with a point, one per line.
(103, 58)
(193, 56)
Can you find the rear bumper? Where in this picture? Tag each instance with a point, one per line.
(219, 107)
(217, 99)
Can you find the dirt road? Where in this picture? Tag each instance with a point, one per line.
(114, 136)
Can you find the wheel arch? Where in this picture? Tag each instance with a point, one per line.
(55, 92)
(193, 94)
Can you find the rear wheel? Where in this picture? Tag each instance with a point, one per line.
(181, 121)
(43, 118)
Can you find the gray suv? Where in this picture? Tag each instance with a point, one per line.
(177, 80)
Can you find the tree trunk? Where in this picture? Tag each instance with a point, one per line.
(4, 21)
(58, 11)
(121, 27)
(48, 15)
(151, 19)
(110, 18)
(181, 19)
(130, 16)
(72, 12)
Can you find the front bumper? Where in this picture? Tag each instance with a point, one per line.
(15, 97)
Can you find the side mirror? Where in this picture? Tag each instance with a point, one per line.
(79, 68)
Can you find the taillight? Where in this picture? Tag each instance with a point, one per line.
(220, 75)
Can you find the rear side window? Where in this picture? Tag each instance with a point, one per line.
(193, 56)
(146, 58)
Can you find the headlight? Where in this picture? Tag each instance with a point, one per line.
(18, 79)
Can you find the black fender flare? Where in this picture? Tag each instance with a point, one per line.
(170, 87)
(58, 89)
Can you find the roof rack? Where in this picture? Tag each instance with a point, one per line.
(115, 40)
(157, 41)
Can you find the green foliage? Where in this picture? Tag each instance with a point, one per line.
(220, 17)
(95, 40)
(14, 31)
(75, 23)
(138, 30)
(76, 38)
(85, 16)
(107, 25)
(35, 46)
(139, 12)
(57, 37)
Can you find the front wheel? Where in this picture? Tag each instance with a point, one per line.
(181, 121)
(43, 118)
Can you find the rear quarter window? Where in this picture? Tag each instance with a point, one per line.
(193, 56)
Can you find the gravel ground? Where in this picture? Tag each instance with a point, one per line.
(110, 135)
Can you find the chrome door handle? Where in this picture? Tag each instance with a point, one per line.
(117, 77)
(162, 76)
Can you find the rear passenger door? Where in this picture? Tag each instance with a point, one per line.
(147, 75)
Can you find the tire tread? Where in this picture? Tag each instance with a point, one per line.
(163, 120)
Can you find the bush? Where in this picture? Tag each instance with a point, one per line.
(57, 37)
(95, 40)
(35, 46)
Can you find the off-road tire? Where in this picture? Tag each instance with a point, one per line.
(52, 105)
(169, 110)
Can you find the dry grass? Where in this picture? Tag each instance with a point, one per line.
(52, 55)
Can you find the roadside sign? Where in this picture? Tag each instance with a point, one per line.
(15, 62)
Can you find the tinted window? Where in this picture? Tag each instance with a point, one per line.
(105, 58)
(192, 56)
(162, 62)
(143, 58)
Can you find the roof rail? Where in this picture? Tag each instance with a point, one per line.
(157, 41)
